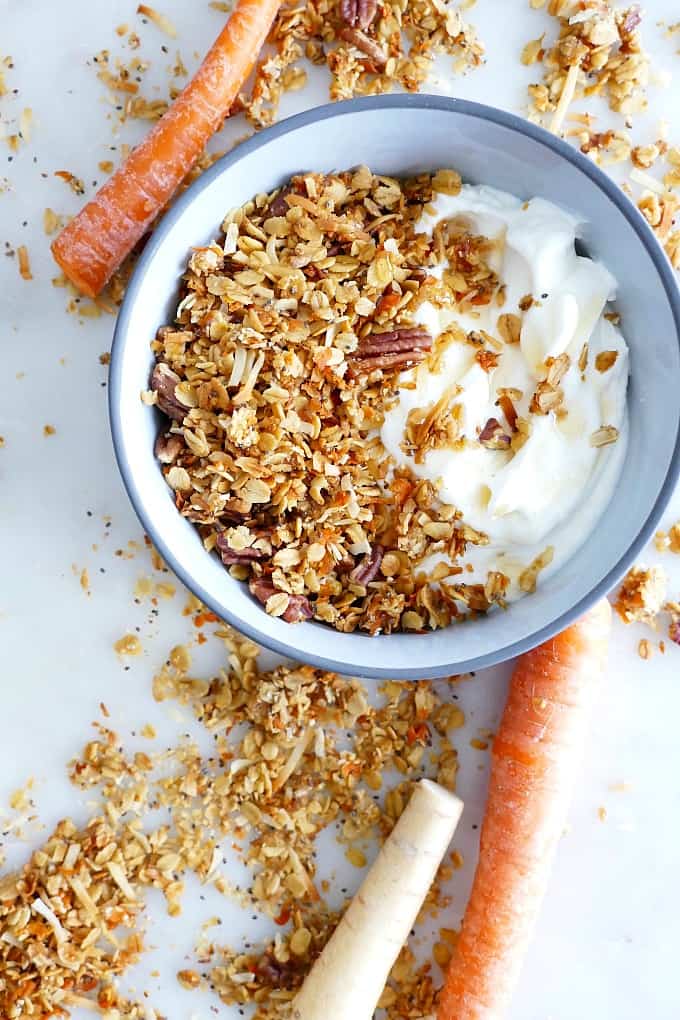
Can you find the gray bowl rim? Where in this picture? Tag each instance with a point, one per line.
(478, 111)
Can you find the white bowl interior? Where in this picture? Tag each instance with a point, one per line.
(404, 139)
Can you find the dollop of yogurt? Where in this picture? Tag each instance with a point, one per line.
(552, 490)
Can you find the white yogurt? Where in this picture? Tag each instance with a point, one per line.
(554, 489)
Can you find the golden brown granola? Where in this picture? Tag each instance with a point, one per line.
(642, 595)
(368, 47)
(598, 51)
(287, 347)
(292, 751)
(673, 608)
(58, 916)
(668, 541)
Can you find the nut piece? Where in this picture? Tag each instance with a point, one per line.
(359, 13)
(279, 206)
(399, 348)
(363, 42)
(298, 608)
(231, 556)
(163, 383)
(367, 570)
(493, 437)
(167, 447)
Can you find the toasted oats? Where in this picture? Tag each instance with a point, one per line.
(672, 247)
(674, 538)
(510, 328)
(364, 52)
(605, 360)
(598, 50)
(290, 336)
(644, 156)
(533, 51)
(447, 182)
(528, 578)
(604, 436)
(129, 644)
(548, 395)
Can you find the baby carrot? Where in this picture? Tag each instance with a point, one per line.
(535, 754)
(96, 241)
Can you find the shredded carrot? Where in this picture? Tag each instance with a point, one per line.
(94, 244)
(24, 263)
(535, 754)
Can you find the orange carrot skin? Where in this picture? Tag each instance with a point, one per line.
(534, 761)
(95, 242)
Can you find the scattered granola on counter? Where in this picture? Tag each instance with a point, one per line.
(668, 541)
(368, 47)
(291, 752)
(598, 51)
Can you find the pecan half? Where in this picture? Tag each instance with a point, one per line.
(167, 447)
(359, 13)
(399, 348)
(367, 569)
(279, 207)
(493, 437)
(163, 383)
(363, 42)
(410, 339)
(298, 605)
(231, 556)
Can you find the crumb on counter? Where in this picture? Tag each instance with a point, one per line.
(668, 541)
(24, 263)
(161, 21)
(129, 644)
(642, 595)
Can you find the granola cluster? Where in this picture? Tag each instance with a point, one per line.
(369, 47)
(290, 752)
(597, 52)
(642, 596)
(286, 352)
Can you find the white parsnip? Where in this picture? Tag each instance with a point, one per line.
(347, 980)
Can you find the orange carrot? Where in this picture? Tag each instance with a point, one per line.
(94, 244)
(535, 754)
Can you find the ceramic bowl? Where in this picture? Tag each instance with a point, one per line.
(402, 135)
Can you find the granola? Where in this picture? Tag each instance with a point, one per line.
(291, 751)
(642, 595)
(368, 46)
(598, 51)
(287, 348)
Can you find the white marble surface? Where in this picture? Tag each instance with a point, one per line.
(607, 940)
